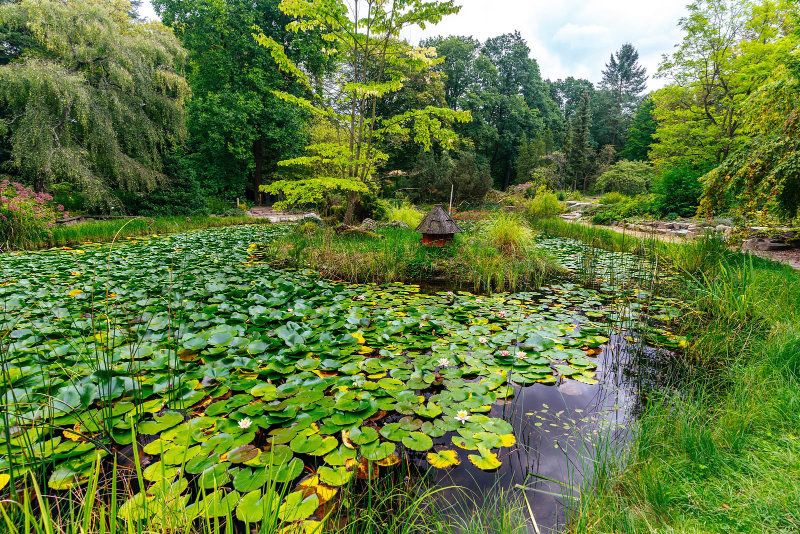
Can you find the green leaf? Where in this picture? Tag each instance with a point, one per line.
(417, 441)
(296, 507)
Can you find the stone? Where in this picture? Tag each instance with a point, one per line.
(763, 244)
(398, 224)
(311, 217)
(369, 225)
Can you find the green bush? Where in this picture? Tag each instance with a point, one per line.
(626, 177)
(679, 189)
(405, 213)
(612, 198)
(632, 207)
(545, 205)
(432, 177)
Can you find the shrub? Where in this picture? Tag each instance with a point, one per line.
(433, 174)
(26, 217)
(508, 233)
(679, 189)
(612, 198)
(545, 205)
(405, 213)
(638, 206)
(626, 177)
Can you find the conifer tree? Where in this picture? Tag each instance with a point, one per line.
(579, 150)
(625, 80)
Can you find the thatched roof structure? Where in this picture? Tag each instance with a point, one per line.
(438, 222)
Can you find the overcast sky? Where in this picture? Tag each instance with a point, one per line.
(568, 37)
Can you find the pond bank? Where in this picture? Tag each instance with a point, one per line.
(722, 456)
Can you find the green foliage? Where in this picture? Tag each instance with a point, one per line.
(509, 233)
(544, 205)
(374, 64)
(577, 148)
(238, 129)
(625, 80)
(761, 180)
(434, 175)
(405, 213)
(612, 198)
(729, 49)
(92, 98)
(640, 133)
(679, 189)
(500, 84)
(626, 177)
(638, 206)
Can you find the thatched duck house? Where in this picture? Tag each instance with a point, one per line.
(437, 227)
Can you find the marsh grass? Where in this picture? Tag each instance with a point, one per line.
(105, 231)
(473, 260)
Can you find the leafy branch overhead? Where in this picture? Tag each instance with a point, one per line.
(363, 40)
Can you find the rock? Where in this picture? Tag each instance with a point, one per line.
(398, 224)
(722, 228)
(311, 217)
(762, 244)
(368, 225)
(580, 207)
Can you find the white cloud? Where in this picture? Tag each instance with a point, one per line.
(567, 37)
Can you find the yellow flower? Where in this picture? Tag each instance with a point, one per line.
(75, 293)
(75, 273)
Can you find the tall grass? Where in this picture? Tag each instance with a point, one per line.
(104, 231)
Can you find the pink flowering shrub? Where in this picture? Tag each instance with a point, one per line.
(26, 217)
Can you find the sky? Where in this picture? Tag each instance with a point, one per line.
(568, 37)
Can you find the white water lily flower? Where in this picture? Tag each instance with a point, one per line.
(521, 355)
(444, 362)
(482, 340)
(245, 423)
(504, 353)
(462, 416)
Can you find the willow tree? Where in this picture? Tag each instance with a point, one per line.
(91, 97)
(363, 39)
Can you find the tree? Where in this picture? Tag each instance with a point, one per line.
(578, 149)
(89, 97)
(238, 129)
(458, 66)
(625, 80)
(730, 47)
(640, 133)
(363, 39)
(530, 155)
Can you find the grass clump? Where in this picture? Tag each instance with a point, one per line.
(508, 233)
(405, 213)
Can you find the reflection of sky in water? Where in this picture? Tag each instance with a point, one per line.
(557, 428)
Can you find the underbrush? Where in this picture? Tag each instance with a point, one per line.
(103, 231)
(722, 452)
(497, 256)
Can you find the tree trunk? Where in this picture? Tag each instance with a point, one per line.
(349, 214)
(258, 171)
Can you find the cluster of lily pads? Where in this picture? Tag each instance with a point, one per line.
(235, 378)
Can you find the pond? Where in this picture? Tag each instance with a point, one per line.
(228, 373)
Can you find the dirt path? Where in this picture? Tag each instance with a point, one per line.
(266, 212)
